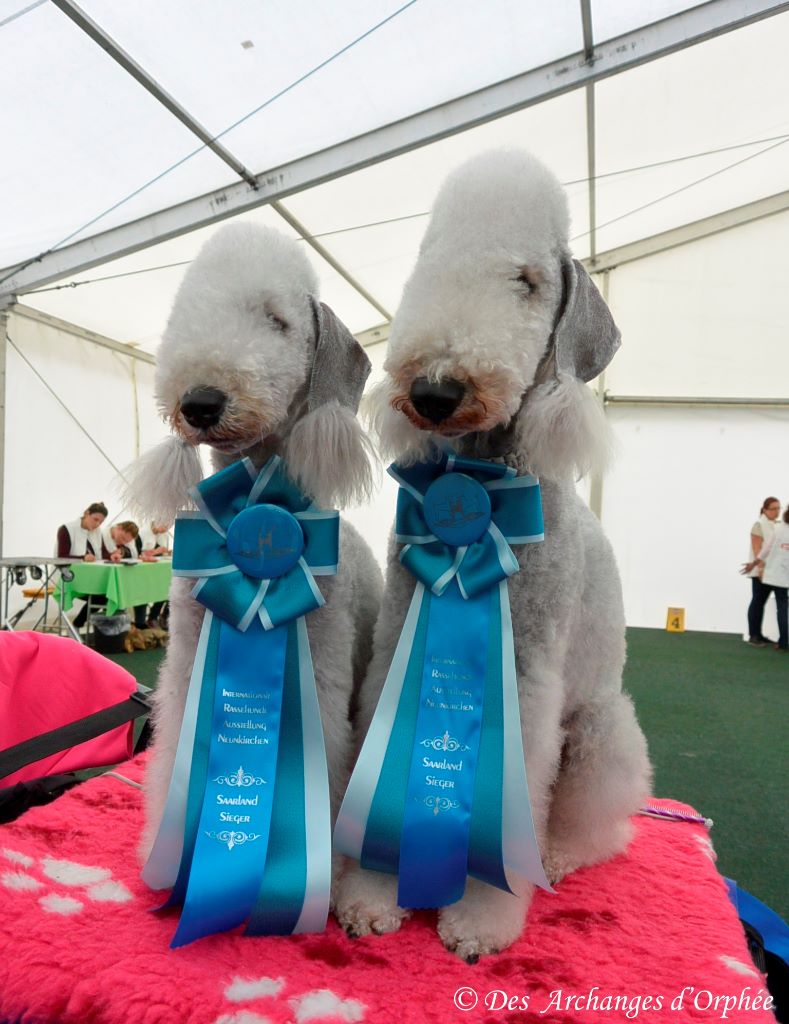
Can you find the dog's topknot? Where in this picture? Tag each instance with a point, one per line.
(513, 200)
(232, 267)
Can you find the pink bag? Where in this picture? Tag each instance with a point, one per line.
(47, 682)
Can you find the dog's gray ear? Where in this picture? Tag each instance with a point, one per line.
(340, 367)
(585, 336)
(328, 453)
(562, 427)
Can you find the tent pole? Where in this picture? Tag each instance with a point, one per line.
(596, 483)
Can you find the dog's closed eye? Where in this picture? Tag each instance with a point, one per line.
(526, 282)
(277, 321)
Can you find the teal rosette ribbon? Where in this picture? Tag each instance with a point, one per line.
(439, 791)
(246, 835)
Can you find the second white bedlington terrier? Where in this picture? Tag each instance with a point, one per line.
(253, 366)
(497, 330)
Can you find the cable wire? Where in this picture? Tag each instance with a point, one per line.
(683, 188)
(19, 13)
(111, 277)
(678, 159)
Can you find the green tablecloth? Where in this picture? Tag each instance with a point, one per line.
(124, 585)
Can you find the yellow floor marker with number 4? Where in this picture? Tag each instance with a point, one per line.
(675, 620)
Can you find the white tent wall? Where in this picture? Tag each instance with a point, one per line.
(679, 505)
(52, 470)
(707, 319)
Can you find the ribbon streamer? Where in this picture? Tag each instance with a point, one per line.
(245, 835)
(440, 791)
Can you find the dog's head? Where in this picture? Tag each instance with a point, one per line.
(498, 326)
(251, 363)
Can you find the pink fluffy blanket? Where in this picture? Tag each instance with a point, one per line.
(649, 936)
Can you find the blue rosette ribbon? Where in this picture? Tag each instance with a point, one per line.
(439, 791)
(246, 834)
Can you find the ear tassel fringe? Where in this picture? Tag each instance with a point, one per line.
(158, 483)
(564, 431)
(330, 457)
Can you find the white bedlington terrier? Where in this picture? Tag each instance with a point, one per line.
(497, 329)
(251, 364)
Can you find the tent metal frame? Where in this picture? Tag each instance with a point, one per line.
(118, 54)
(591, 154)
(596, 62)
(691, 232)
(66, 327)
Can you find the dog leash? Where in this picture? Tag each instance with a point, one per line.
(651, 811)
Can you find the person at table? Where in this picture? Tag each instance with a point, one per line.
(122, 541)
(156, 540)
(82, 538)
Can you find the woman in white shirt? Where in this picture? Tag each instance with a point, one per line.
(761, 531)
(774, 560)
(82, 538)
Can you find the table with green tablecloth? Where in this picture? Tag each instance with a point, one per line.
(124, 586)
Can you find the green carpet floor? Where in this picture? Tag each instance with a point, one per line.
(715, 713)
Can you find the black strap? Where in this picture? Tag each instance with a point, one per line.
(71, 735)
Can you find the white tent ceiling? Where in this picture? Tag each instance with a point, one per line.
(348, 117)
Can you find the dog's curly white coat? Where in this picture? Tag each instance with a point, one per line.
(243, 321)
(482, 307)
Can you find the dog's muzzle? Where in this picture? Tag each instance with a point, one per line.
(203, 407)
(436, 400)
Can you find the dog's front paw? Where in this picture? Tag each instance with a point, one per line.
(485, 921)
(366, 901)
(567, 854)
(557, 863)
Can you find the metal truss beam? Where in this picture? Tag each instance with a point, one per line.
(691, 401)
(28, 313)
(98, 35)
(326, 255)
(119, 55)
(373, 335)
(696, 25)
(591, 171)
(693, 232)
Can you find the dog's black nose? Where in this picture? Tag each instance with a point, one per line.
(203, 407)
(436, 400)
